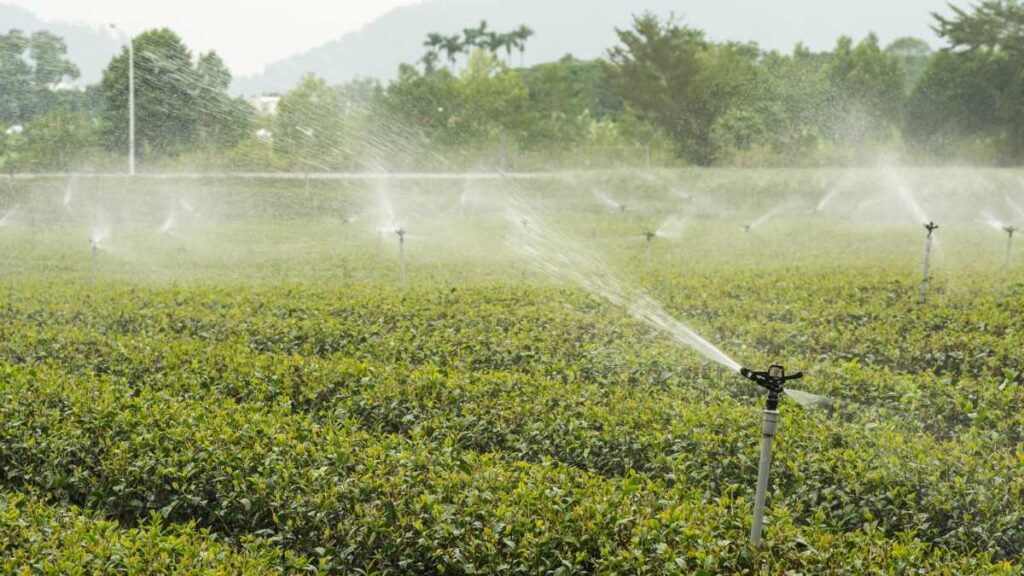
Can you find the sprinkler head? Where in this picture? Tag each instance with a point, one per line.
(401, 234)
(931, 227)
(748, 227)
(1011, 230)
(773, 380)
(622, 207)
(650, 236)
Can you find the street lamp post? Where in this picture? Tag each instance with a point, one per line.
(131, 103)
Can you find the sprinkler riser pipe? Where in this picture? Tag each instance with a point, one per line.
(1009, 248)
(401, 261)
(769, 425)
(923, 294)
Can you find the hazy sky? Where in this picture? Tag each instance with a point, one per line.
(247, 33)
(252, 33)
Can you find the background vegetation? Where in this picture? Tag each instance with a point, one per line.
(663, 95)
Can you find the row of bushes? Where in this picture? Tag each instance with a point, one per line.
(607, 412)
(36, 538)
(349, 500)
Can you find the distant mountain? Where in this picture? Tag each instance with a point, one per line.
(89, 48)
(585, 28)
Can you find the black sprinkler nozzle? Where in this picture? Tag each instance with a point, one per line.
(773, 380)
(650, 235)
(931, 227)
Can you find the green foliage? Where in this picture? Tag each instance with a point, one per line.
(309, 130)
(41, 539)
(483, 109)
(968, 98)
(656, 69)
(12, 150)
(869, 86)
(32, 70)
(278, 408)
(178, 104)
(913, 54)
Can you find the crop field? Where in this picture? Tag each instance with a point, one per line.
(230, 375)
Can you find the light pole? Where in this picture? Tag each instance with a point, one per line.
(131, 103)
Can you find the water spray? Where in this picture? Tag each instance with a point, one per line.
(1010, 231)
(94, 246)
(930, 227)
(774, 381)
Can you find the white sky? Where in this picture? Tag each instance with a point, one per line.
(248, 34)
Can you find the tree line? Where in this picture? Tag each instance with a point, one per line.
(663, 94)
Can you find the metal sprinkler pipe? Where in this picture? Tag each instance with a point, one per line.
(401, 255)
(774, 381)
(931, 227)
(1010, 231)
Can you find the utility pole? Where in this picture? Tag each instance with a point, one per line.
(131, 103)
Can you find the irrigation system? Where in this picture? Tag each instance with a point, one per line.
(401, 232)
(774, 381)
(94, 246)
(1010, 231)
(930, 227)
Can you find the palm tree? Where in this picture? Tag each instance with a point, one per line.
(508, 42)
(433, 41)
(429, 62)
(452, 47)
(476, 36)
(494, 42)
(520, 36)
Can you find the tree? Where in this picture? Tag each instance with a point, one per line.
(452, 47)
(165, 119)
(957, 108)
(221, 122)
(476, 37)
(179, 105)
(32, 70)
(978, 81)
(657, 69)
(59, 139)
(868, 87)
(12, 146)
(518, 39)
(800, 101)
(913, 55)
(309, 128)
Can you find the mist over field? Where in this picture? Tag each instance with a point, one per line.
(680, 304)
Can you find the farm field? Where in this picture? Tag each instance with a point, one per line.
(259, 376)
